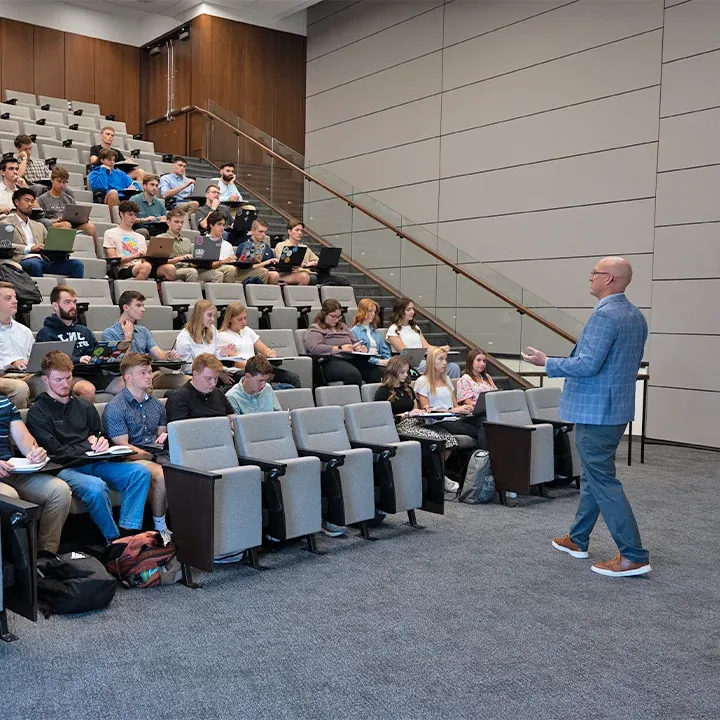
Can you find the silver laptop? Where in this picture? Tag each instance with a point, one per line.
(413, 355)
(41, 349)
(76, 214)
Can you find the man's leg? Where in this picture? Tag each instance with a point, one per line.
(157, 496)
(597, 445)
(33, 266)
(287, 377)
(141, 270)
(133, 480)
(166, 272)
(189, 208)
(89, 229)
(16, 390)
(210, 276)
(296, 278)
(189, 274)
(54, 496)
(69, 268)
(112, 198)
(168, 380)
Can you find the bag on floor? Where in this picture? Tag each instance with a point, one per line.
(479, 485)
(142, 561)
(26, 290)
(73, 583)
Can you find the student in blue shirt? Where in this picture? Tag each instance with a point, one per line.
(177, 189)
(254, 394)
(255, 250)
(105, 180)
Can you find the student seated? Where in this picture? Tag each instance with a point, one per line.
(132, 310)
(212, 204)
(64, 325)
(475, 380)
(54, 201)
(328, 337)
(11, 181)
(247, 343)
(177, 189)
(254, 394)
(28, 241)
(228, 190)
(405, 333)
(134, 417)
(150, 207)
(68, 427)
(397, 390)
(364, 330)
(123, 242)
(51, 493)
(31, 170)
(435, 393)
(105, 181)
(16, 341)
(261, 255)
(216, 230)
(199, 398)
(107, 136)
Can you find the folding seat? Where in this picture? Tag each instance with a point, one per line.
(273, 313)
(100, 212)
(398, 464)
(368, 390)
(21, 97)
(38, 313)
(141, 145)
(46, 284)
(223, 294)
(283, 343)
(146, 165)
(92, 292)
(99, 317)
(76, 181)
(61, 153)
(292, 496)
(84, 247)
(87, 108)
(119, 127)
(521, 452)
(305, 300)
(337, 395)
(79, 137)
(6, 144)
(162, 168)
(348, 487)
(202, 452)
(54, 103)
(84, 122)
(41, 131)
(344, 295)
(16, 112)
(296, 398)
(51, 117)
(544, 406)
(165, 339)
(83, 197)
(157, 317)
(181, 296)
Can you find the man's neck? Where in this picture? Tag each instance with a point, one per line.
(66, 322)
(251, 394)
(125, 227)
(6, 321)
(63, 400)
(22, 215)
(179, 177)
(148, 198)
(138, 393)
(198, 389)
(55, 193)
(9, 186)
(124, 318)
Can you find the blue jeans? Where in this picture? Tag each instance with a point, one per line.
(37, 267)
(602, 492)
(91, 483)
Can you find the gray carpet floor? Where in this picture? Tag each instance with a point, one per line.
(475, 616)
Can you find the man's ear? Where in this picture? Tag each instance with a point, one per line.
(45, 380)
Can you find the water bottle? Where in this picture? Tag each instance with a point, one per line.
(142, 577)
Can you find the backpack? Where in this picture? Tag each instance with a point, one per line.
(142, 561)
(26, 290)
(479, 485)
(73, 583)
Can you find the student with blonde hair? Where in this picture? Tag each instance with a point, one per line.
(364, 330)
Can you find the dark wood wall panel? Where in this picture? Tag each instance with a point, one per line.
(289, 86)
(130, 59)
(48, 63)
(18, 41)
(80, 67)
(109, 90)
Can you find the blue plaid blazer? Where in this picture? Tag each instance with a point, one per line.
(602, 368)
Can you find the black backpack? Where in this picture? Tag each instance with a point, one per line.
(73, 583)
(26, 290)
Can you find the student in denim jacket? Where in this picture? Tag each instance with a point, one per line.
(365, 331)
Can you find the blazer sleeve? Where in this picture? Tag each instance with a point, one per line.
(590, 353)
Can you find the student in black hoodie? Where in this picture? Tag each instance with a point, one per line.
(68, 427)
(63, 325)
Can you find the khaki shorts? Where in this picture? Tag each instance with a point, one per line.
(261, 273)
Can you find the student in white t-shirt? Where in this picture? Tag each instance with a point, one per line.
(234, 331)
(404, 333)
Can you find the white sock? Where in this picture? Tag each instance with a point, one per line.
(160, 523)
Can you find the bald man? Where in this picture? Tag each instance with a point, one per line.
(599, 397)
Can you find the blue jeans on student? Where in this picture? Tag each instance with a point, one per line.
(602, 492)
(37, 267)
(91, 483)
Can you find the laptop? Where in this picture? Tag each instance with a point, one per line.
(159, 247)
(413, 355)
(480, 408)
(329, 257)
(292, 256)
(252, 254)
(60, 240)
(109, 352)
(76, 214)
(206, 248)
(41, 349)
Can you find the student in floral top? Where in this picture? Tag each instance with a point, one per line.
(475, 380)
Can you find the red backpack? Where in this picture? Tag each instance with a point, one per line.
(142, 561)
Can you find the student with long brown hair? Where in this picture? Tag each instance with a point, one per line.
(364, 330)
(475, 380)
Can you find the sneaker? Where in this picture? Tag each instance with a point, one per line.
(166, 536)
(620, 567)
(451, 485)
(333, 530)
(565, 544)
(227, 559)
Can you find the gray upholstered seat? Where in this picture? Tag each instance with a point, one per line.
(337, 395)
(95, 292)
(283, 343)
(147, 287)
(297, 398)
(322, 429)
(223, 294)
(270, 296)
(207, 444)
(368, 390)
(181, 293)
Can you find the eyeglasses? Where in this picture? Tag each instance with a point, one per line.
(593, 273)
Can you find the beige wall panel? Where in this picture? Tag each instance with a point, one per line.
(566, 283)
(686, 306)
(398, 126)
(686, 416)
(616, 228)
(603, 177)
(616, 68)
(495, 330)
(328, 216)
(626, 120)
(464, 20)
(691, 28)
(687, 251)
(693, 368)
(361, 20)
(400, 84)
(570, 29)
(691, 84)
(416, 202)
(376, 248)
(419, 36)
(315, 13)
(390, 168)
(689, 140)
(688, 196)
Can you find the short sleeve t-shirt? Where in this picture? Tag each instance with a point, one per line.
(243, 341)
(411, 338)
(124, 242)
(441, 399)
(8, 414)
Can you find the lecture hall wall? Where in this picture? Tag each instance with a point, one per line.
(538, 136)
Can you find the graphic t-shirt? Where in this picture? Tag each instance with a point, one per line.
(125, 242)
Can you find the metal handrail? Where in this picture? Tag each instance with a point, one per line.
(458, 269)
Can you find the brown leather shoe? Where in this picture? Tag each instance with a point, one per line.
(565, 544)
(620, 567)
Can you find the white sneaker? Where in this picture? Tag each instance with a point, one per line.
(451, 485)
(333, 530)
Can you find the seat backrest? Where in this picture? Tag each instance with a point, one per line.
(142, 145)
(96, 292)
(61, 153)
(266, 436)
(507, 406)
(83, 121)
(10, 126)
(79, 137)
(42, 131)
(203, 444)
(54, 117)
(87, 108)
(282, 341)
(371, 422)
(296, 398)
(100, 212)
(99, 317)
(118, 125)
(181, 293)
(262, 295)
(320, 428)
(85, 247)
(46, 284)
(298, 296)
(220, 294)
(157, 317)
(147, 287)
(23, 97)
(344, 295)
(53, 102)
(544, 402)
(165, 339)
(368, 390)
(18, 112)
(337, 395)
(300, 341)
(163, 168)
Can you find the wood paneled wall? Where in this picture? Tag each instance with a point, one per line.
(255, 72)
(50, 62)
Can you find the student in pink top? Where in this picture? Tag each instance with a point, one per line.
(475, 380)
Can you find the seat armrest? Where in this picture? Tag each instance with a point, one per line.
(384, 451)
(519, 428)
(303, 308)
(427, 443)
(83, 307)
(264, 309)
(180, 307)
(559, 425)
(273, 469)
(331, 459)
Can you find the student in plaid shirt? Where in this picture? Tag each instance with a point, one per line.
(599, 397)
(31, 170)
